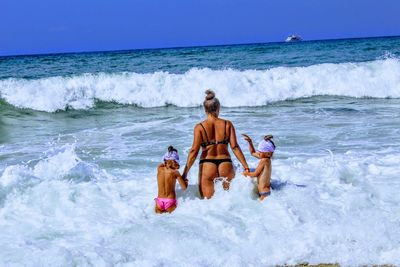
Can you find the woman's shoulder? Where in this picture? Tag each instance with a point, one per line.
(228, 122)
(199, 125)
(203, 123)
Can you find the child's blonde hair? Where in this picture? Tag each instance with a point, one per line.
(169, 164)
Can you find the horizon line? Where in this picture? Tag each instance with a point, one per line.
(183, 47)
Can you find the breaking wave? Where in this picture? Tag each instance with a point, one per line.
(376, 79)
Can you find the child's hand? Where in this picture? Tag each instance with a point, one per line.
(247, 138)
(245, 173)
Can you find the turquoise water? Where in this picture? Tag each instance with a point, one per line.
(81, 136)
(180, 60)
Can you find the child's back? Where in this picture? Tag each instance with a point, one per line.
(264, 178)
(166, 180)
(167, 174)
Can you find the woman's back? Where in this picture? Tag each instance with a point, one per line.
(215, 138)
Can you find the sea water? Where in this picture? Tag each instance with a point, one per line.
(81, 136)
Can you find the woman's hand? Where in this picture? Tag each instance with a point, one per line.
(246, 171)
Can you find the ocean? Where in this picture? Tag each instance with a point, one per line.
(81, 136)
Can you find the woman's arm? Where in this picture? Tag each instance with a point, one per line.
(194, 151)
(236, 148)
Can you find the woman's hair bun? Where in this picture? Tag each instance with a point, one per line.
(211, 103)
(210, 94)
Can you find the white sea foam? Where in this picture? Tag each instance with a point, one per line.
(346, 213)
(378, 79)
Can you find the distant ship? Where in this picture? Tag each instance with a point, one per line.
(294, 38)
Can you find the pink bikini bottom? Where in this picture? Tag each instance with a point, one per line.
(165, 203)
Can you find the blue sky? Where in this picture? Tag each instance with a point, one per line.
(51, 26)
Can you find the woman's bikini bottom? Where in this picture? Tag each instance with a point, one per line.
(217, 162)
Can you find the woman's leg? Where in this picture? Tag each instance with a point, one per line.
(207, 173)
(226, 170)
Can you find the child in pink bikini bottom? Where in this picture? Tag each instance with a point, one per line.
(165, 203)
(167, 176)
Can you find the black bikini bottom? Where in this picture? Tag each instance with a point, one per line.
(217, 162)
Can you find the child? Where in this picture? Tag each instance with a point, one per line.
(264, 152)
(167, 174)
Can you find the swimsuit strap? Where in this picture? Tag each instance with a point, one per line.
(225, 141)
(225, 131)
(226, 135)
(205, 132)
(208, 142)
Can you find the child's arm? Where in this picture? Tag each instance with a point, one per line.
(183, 183)
(251, 146)
(257, 171)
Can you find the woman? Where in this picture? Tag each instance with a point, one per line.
(214, 135)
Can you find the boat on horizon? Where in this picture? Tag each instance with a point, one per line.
(294, 38)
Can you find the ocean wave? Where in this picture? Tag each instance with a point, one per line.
(43, 209)
(376, 79)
